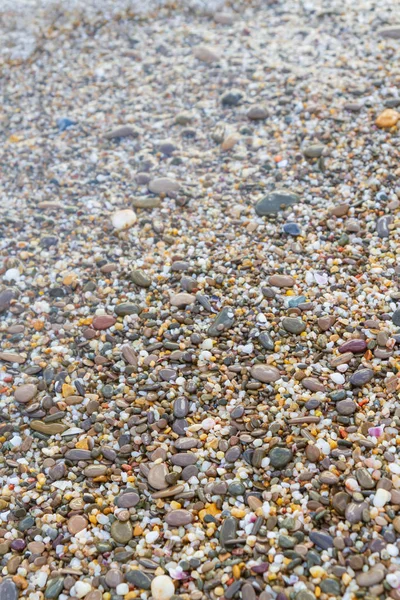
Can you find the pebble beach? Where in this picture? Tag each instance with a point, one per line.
(199, 300)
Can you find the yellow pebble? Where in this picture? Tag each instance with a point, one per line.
(67, 390)
(82, 444)
(175, 505)
(137, 530)
(317, 592)
(388, 118)
(219, 591)
(317, 571)
(236, 571)
(238, 513)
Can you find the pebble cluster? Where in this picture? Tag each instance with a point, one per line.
(199, 304)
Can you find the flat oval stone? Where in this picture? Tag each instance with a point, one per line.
(138, 579)
(282, 281)
(364, 478)
(206, 54)
(12, 357)
(354, 512)
(179, 517)
(223, 321)
(48, 428)
(382, 226)
(361, 377)
(164, 185)
(273, 202)
(181, 407)
(356, 346)
(95, 470)
(127, 500)
(280, 457)
(340, 501)
(126, 308)
(293, 325)
(54, 587)
(322, 540)
(140, 278)
(123, 219)
(396, 317)
(184, 459)
(233, 454)
(24, 393)
(121, 531)
(156, 477)
(103, 321)
(257, 113)
(121, 132)
(181, 300)
(77, 454)
(346, 407)
(312, 384)
(265, 373)
(150, 202)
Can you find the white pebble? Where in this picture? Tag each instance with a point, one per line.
(122, 589)
(123, 219)
(381, 498)
(162, 587)
(152, 536)
(337, 378)
(82, 588)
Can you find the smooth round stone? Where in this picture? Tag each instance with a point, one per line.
(293, 325)
(356, 346)
(257, 113)
(283, 281)
(273, 202)
(228, 530)
(361, 377)
(179, 517)
(354, 512)
(76, 524)
(8, 590)
(164, 185)
(103, 321)
(266, 341)
(138, 579)
(231, 98)
(388, 118)
(181, 300)
(95, 470)
(248, 592)
(181, 407)
(36, 547)
(313, 151)
(346, 407)
(340, 501)
(121, 531)
(396, 317)
(292, 229)
(331, 587)
(313, 453)
(223, 321)
(128, 500)
(206, 54)
(157, 475)
(162, 587)
(364, 479)
(24, 393)
(54, 587)
(189, 471)
(280, 457)
(114, 577)
(382, 226)
(123, 219)
(328, 478)
(232, 454)
(236, 488)
(304, 595)
(371, 577)
(322, 540)
(168, 374)
(140, 278)
(265, 373)
(312, 384)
